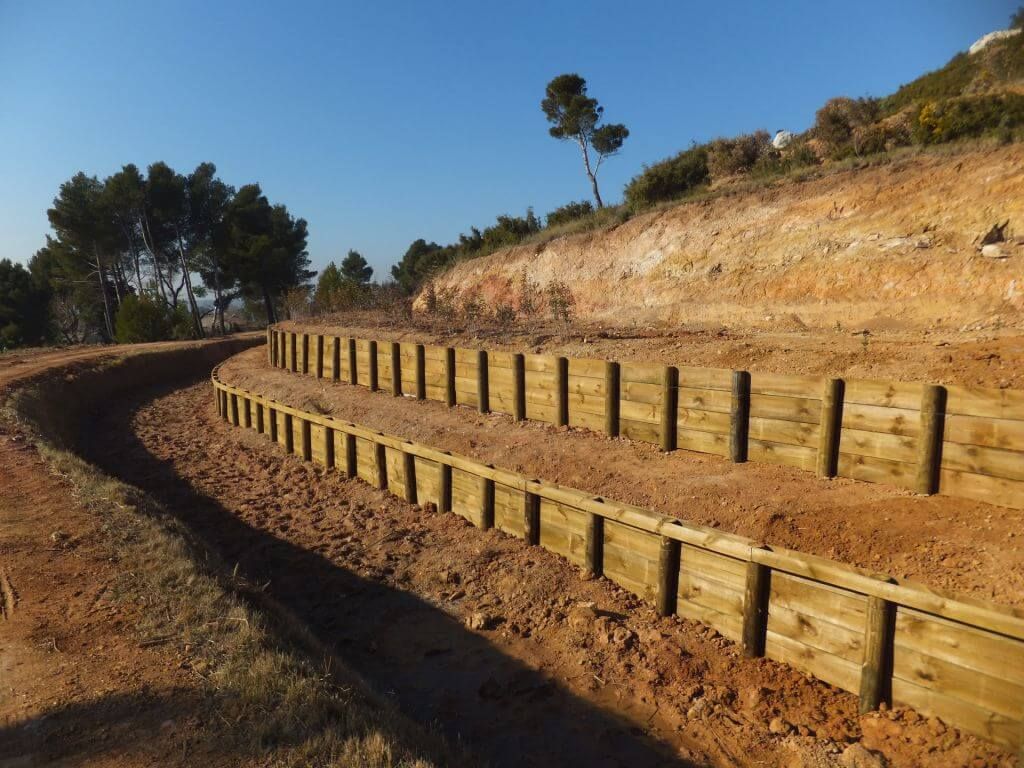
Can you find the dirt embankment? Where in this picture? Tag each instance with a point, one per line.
(889, 247)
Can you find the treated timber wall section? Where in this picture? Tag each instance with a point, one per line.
(901, 643)
(958, 441)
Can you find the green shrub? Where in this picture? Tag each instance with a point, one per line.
(838, 121)
(728, 157)
(952, 119)
(670, 178)
(141, 319)
(797, 155)
(569, 212)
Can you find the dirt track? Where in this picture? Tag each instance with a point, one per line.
(557, 669)
(954, 544)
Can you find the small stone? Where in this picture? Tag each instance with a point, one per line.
(480, 620)
(622, 636)
(779, 726)
(857, 756)
(993, 251)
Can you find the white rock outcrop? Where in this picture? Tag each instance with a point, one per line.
(782, 139)
(987, 40)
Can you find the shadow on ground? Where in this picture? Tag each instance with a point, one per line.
(407, 649)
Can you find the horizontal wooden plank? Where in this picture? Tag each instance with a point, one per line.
(891, 394)
(641, 373)
(642, 412)
(428, 481)
(877, 418)
(983, 461)
(500, 360)
(586, 387)
(786, 385)
(591, 421)
(509, 510)
(801, 457)
(986, 402)
(816, 633)
(825, 666)
(539, 412)
(640, 430)
(703, 421)
(786, 432)
(729, 625)
(800, 409)
(813, 598)
(585, 367)
(702, 442)
(992, 433)
(540, 363)
(705, 378)
(704, 400)
(879, 445)
(874, 470)
(992, 490)
(696, 588)
(640, 392)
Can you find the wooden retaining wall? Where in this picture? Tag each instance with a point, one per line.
(901, 643)
(958, 441)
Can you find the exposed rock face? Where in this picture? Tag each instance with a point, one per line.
(983, 42)
(889, 247)
(783, 139)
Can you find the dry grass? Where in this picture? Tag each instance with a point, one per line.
(272, 695)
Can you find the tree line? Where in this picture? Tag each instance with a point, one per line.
(128, 249)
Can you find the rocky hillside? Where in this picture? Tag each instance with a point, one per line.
(897, 245)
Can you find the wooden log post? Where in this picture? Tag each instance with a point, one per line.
(562, 382)
(351, 456)
(353, 362)
(519, 387)
(611, 398)
(594, 544)
(336, 359)
(381, 465)
(272, 417)
(294, 362)
(329, 447)
(483, 392)
(668, 575)
(831, 426)
(396, 369)
(739, 416)
(876, 668)
(279, 349)
(421, 372)
(319, 357)
(374, 383)
(260, 426)
(234, 409)
(487, 502)
(409, 467)
(444, 488)
(531, 519)
(669, 407)
(929, 444)
(755, 609)
(289, 434)
(216, 401)
(306, 431)
(449, 377)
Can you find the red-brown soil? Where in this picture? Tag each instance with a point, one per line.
(955, 544)
(558, 669)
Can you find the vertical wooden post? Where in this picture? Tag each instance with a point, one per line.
(669, 407)
(449, 377)
(594, 544)
(289, 434)
(929, 444)
(486, 503)
(216, 400)
(421, 372)
(483, 392)
(739, 417)
(281, 346)
(396, 369)
(409, 465)
(260, 427)
(336, 359)
(353, 362)
(562, 419)
(319, 356)
(305, 353)
(444, 488)
(307, 439)
(519, 387)
(374, 383)
(755, 609)
(831, 426)
(531, 519)
(272, 417)
(876, 669)
(381, 464)
(351, 456)
(668, 575)
(294, 353)
(247, 412)
(234, 409)
(270, 347)
(611, 398)
(328, 448)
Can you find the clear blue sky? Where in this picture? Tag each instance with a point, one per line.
(383, 122)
